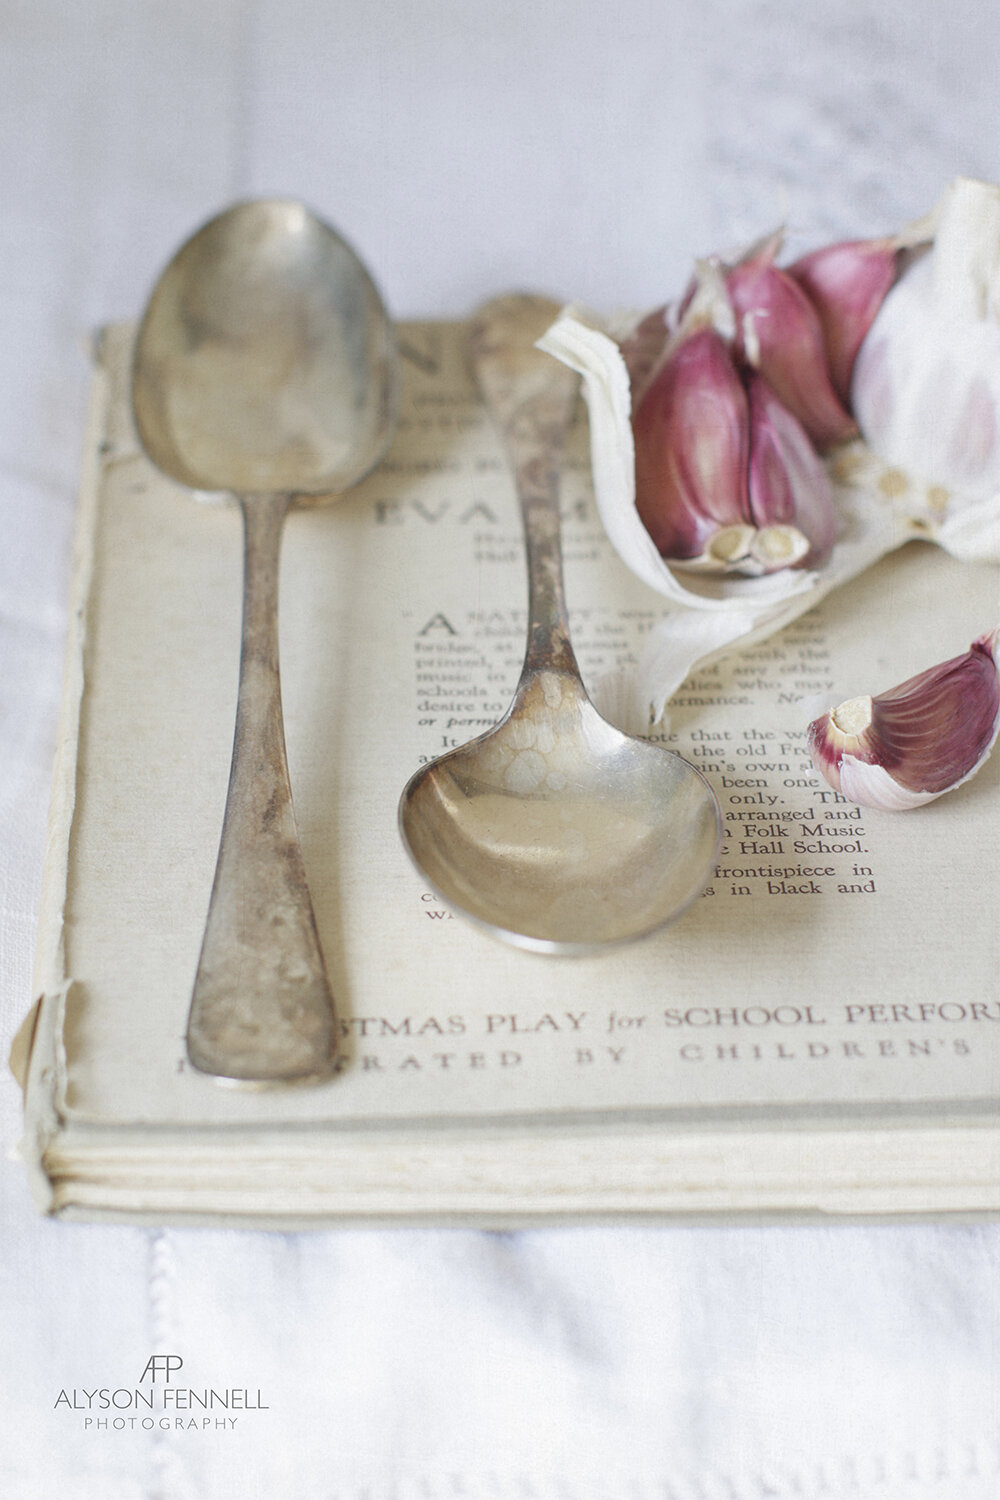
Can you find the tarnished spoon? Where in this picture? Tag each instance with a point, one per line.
(264, 366)
(554, 830)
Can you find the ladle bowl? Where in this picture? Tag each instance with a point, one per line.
(554, 830)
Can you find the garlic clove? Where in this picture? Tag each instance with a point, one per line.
(726, 477)
(779, 333)
(907, 746)
(691, 431)
(791, 499)
(846, 285)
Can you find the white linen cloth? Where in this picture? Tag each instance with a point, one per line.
(590, 151)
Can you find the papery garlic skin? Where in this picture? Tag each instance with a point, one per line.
(911, 744)
(926, 382)
(934, 416)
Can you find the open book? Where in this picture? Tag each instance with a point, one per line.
(819, 1034)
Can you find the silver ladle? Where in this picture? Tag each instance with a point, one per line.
(264, 366)
(554, 830)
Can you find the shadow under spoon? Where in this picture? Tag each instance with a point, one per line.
(554, 830)
(264, 367)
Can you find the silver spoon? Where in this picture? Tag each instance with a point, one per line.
(554, 830)
(265, 366)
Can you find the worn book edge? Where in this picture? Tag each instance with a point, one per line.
(33, 1052)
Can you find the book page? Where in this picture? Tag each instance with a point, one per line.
(840, 961)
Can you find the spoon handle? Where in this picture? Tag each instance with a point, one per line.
(531, 398)
(261, 1010)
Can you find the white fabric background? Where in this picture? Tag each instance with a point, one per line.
(465, 146)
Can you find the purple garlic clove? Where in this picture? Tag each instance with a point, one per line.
(780, 334)
(791, 502)
(691, 431)
(907, 746)
(846, 285)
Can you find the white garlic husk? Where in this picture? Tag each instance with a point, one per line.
(947, 298)
(926, 383)
(911, 744)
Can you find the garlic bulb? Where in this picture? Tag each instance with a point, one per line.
(926, 386)
(907, 746)
(744, 499)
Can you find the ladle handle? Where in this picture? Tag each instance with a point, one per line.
(261, 1010)
(531, 398)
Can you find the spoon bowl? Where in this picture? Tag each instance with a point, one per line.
(265, 367)
(265, 361)
(554, 830)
